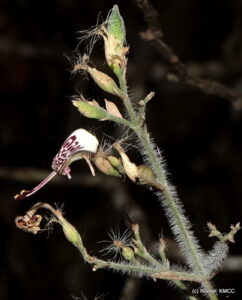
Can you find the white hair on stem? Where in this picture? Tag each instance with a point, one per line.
(213, 261)
(176, 228)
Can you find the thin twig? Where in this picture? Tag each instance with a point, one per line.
(154, 35)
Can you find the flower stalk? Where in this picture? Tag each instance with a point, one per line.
(153, 271)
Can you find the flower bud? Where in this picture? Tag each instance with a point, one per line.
(102, 162)
(104, 81)
(127, 253)
(70, 232)
(130, 168)
(114, 41)
(116, 162)
(115, 26)
(90, 109)
(146, 174)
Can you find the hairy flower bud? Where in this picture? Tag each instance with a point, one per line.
(104, 81)
(127, 253)
(70, 232)
(90, 109)
(130, 168)
(114, 41)
(102, 162)
(116, 163)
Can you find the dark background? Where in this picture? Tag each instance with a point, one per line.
(200, 137)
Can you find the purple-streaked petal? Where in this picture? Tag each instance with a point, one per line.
(79, 140)
(70, 146)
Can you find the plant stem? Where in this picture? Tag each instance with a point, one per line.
(170, 201)
(126, 99)
(182, 286)
(141, 249)
(172, 207)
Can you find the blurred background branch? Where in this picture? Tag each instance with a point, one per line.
(180, 73)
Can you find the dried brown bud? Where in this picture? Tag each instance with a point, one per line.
(130, 168)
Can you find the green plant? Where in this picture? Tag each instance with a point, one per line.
(136, 259)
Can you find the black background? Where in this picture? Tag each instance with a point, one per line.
(200, 138)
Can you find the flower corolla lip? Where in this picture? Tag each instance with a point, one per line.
(79, 140)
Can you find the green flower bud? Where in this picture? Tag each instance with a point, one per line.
(127, 253)
(103, 164)
(116, 162)
(90, 109)
(114, 40)
(70, 232)
(105, 82)
(115, 26)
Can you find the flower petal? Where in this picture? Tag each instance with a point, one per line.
(79, 140)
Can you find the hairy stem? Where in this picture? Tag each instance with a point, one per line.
(173, 208)
(170, 201)
(126, 99)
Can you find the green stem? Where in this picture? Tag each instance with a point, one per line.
(209, 287)
(158, 273)
(170, 201)
(185, 290)
(126, 100)
(172, 206)
(118, 120)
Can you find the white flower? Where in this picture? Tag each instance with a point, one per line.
(77, 146)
